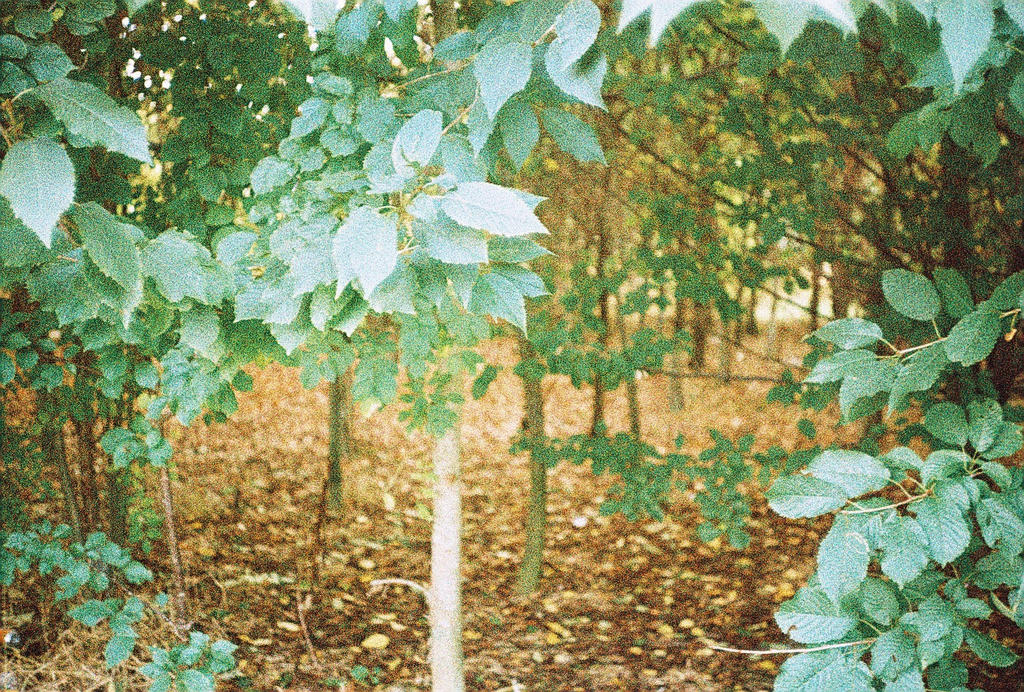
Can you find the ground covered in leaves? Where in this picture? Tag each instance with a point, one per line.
(622, 605)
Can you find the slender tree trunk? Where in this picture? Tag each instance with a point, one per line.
(840, 285)
(446, 659)
(537, 502)
(771, 333)
(700, 327)
(603, 254)
(725, 348)
(117, 505)
(446, 20)
(340, 441)
(55, 452)
(676, 400)
(752, 328)
(815, 306)
(181, 611)
(86, 435)
(339, 447)
(632, 387)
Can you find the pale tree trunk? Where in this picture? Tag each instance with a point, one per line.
(772, 331)
(528, 578)
(181, 616)
(446, 660)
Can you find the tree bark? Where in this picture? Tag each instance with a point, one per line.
(446, 20)
(181, 617)
(446, 659)
(700, 327)
(55, 451)
(528, 578)
(603, 254)
(340, 441)
(676, 399)
(632, 388)
(86, 435)
(815, 307)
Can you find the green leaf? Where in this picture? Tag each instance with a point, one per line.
(137, 573)
(878, 600)
(365, 248)
(111, 245)
(843, 558)
(577, 27)
(38, 179)
(872, 377)
(892, 653)
(945, 528)
(973, 337)
(904, 549)
(495, 295)
(797, 497)
(917, 373)
(514, 250)
(118, 649)
(92, 612)
(92, 115)
(956, 295)
(811, 618)
(839, 365)
(48, 61)
(269, 173)
(520, 131)
(909, 680)
(502, 69)
(449, 242)
(483, 381)
(417, 141)
(1007, 294)
(200, 329)
(850, 332)
(491, 208)
(943, 463)
(910, 294)
(948, 422)
(572, 135)
(824, 671)
(966, 27)
(986, 421)
(193, 680)
(855, 472)
(181, 268)
(989, 650)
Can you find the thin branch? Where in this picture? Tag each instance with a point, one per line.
(378, 584)
(717, 376)
(772, 652)
(869, 510)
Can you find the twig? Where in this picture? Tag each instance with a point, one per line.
(300, 607)
(868, 510)
(716, 376)
(378, 584)
(772, 652)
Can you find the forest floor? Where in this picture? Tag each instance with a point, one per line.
(622, 605)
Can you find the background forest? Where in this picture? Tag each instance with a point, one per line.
(533, 345)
